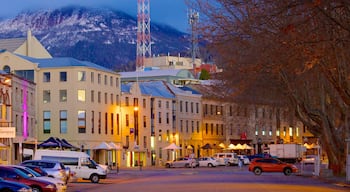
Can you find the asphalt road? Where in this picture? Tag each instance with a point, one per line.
(219, 179)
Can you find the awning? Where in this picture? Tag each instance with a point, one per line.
(114, 146)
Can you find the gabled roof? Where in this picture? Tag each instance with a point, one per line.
(12, 44)
(58, 62)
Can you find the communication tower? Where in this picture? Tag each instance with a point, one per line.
(193, 18)
(143, 48)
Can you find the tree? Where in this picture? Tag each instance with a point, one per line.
(204, 75)
(297, 50)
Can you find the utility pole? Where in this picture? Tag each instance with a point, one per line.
(193, 18)
(143, 48)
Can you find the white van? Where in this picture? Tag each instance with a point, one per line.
(77, 161)
(226, 158)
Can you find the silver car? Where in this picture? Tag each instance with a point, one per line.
(208, 162)
(182, 162)
(53, 168)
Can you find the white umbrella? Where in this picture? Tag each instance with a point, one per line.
(172, 146)
(103, 145)
(114, 146)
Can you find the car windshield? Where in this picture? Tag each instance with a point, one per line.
(30, 171)
(21, 173)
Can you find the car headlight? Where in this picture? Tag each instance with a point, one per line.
(51, 186)
(25, 190)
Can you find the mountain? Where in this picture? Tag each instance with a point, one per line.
(102, 36)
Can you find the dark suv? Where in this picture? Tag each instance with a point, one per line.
(53, 168)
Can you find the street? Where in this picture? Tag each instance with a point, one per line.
(203, 179)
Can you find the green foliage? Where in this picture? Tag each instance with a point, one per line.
(204, 75)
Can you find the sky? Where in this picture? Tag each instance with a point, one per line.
(171, 12)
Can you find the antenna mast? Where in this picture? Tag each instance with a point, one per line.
(193, 18)
(143, 48)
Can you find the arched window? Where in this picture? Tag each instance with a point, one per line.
(7, 69)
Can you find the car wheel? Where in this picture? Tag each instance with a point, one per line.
(94, 178)
(257, 171)
(6, 190)
(35, 189)
(167, 165)
(187, 165)
(287, 171)
(210, 165)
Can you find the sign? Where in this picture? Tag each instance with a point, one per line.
(7, 132)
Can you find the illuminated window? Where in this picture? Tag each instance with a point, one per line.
(290, 131)
(81, 76)
(81, 95)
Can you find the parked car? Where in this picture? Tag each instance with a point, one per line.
(13, 186)
(207, 162)
(53, 168)
(309, 159)
(61, 185)
(13, 174)
(227, 159)
(260, 155)
(259, 165)
(245, 160)
(182, 162)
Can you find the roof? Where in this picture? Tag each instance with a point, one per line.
(12, 44)
(153, 73)
(152, 88)
(57, 62)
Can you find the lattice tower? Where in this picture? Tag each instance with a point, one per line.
(143, 48)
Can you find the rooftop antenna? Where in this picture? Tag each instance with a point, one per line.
(193, 17)
(143, 48)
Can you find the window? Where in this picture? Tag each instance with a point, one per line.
(191, 107)
(180, 106)
(167, 104)
(118, 121)
(46, 77)
(99, 97)
(160, 104)
(106, 123)
(105, 79)
(92, 77)
(112, 98)
(63, 95)
(127, 120)
(63, 76)
(47, 121)
(92, 121)
(117, 82)
(186, 126)
(144, 103)
(46, 96)
(186, 106)
(159, 117)
(99, 123)
(92, 96)
(197, 126)
(81, 76)
(81, 95)
(106, 98)
(63, 121)
(197, 108)
(111, 80)
(144, 121)
(167, 118)
(99, 78)
(126, 101)
(81, 121)
(192, 126)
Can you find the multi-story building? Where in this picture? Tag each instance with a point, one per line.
(17, 115)
(154, 115)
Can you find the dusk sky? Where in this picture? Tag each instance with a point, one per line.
(171, 12)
